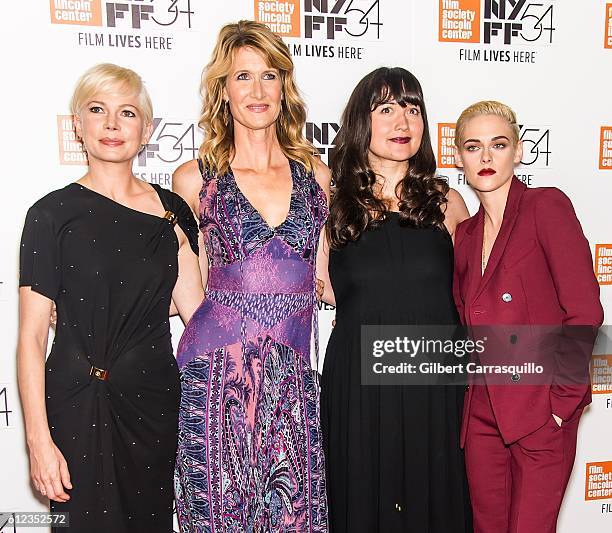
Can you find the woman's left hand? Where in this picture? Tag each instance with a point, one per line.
(320, 289)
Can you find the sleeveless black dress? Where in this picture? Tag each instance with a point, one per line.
(392, 453)
(111, 271)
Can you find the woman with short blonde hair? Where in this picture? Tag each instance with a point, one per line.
(107, 77)
(522, 263)
(250, 455)
(491, 108)
(101, 413)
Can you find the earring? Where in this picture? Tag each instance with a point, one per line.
(226, 111)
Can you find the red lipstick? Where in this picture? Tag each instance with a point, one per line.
(486, 172)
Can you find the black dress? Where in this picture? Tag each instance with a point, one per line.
(111, 271)
(392, 453)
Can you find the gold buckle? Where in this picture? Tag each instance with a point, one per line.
(99, 373)
(170, 217)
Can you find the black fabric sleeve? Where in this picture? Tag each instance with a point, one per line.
(39, 258)
(187, 222)
(185, 219)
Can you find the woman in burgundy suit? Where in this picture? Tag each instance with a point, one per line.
(522, 260)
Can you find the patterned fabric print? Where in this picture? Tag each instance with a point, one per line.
(267, 309)
(250, 453)
(192, 502)
(220, 235)
(224, 211)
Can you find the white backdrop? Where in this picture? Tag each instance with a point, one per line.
(551, 60)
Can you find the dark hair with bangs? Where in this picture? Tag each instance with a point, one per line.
(354, 207)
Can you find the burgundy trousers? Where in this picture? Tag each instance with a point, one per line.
(517, 487)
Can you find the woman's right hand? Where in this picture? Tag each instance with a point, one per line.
(48, 467)
(49, 471)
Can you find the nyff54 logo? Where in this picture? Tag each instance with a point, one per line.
(327, 18)
(496, 21)
(536, 145)
(323, 136)
(172, 143)
(134, 14)
(322, 19)
(5, 403)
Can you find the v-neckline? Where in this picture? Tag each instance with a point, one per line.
(273, 229)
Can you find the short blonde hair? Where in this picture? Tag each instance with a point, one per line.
(486, 107)
(217, 150)
(107, 77)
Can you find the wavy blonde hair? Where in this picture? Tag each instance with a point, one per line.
(486, 107)
(217, 150)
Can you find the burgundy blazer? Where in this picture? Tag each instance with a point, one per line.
(540, 272)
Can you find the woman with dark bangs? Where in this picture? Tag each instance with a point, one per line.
(392, 453)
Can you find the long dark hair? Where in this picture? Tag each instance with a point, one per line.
(354, 207)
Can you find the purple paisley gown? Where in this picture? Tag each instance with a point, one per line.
(250, 452)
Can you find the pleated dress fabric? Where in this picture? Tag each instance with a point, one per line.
(392, 452)
(111, 271)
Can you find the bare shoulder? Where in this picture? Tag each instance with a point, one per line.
(187, 173)
(187, 182)
(455, 210)
(322, 175)
(455, 200)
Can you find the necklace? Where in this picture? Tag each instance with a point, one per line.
(483, 264)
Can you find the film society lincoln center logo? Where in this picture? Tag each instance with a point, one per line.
(603, 263)
(598, 483)
(601, 374)
(608, 27)
(128, 14)
(605, 148)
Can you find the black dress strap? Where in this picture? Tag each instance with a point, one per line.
(178, 212)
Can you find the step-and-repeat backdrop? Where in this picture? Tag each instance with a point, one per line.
(551, 60)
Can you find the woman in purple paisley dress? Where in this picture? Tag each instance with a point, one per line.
(250, 453)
